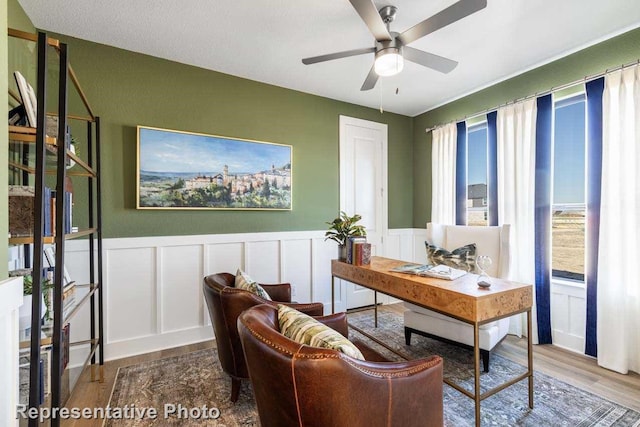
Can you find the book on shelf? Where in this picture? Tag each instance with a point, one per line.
(428, 270)
(18, 116)
(66, 329)
(350, 242)
(362, 253)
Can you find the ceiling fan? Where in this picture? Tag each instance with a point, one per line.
(391, 48)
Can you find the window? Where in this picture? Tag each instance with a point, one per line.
(569, 178)
(477, 175)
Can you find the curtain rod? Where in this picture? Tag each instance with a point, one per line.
(546, 92)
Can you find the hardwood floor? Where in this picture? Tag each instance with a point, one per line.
(578, 370)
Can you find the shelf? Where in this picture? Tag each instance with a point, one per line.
(80, 233)
(55, 158)
(25, 134)
(27, 240)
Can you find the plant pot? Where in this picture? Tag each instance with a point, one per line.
(342, 252)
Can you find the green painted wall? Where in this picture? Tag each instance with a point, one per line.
(127, 89)
(611, 53)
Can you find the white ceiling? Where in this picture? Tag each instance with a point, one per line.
(265, 40)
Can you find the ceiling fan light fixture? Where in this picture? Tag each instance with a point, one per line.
(389, 61)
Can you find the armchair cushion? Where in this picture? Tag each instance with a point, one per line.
(463, 258)
(244, 281)
(305, 329)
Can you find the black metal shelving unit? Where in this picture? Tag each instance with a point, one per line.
(45, 148)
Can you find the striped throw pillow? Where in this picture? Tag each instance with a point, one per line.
(305, 329)
(463, 258)
(243, 281)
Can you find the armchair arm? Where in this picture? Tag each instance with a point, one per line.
(280, 292)
(311, 309)
(337, 322)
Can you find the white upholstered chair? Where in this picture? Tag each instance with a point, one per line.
(491, 241)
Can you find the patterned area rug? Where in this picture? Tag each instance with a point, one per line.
(195, 380)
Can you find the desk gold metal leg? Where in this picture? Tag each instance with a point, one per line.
(530, 358)
(375, 308)
(476, 369)
(333, 294)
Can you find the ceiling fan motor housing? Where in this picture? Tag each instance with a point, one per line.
(389, 60)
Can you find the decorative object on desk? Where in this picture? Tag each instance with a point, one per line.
(182, 170)
(483, 262)
(428, 270)
(29, 99)
(343, 227)
(351, 247)
(462, 258)
(362, 253)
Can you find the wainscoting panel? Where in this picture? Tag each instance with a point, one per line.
(153, 285)
(322, 253)
(262, 261)
(568, 308)
(130, 293)
(224, 258)
(181, 290)
(296, 268)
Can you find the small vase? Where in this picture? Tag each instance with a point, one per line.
(342, 252)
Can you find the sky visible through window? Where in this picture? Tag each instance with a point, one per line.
(477, 175)
(569, 167)
(569, 152)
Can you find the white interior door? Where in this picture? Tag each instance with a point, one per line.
(363, 189)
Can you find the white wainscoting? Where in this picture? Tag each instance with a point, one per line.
(10, 302)
(568, 314)
(153, 295)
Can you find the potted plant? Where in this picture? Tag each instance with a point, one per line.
(25, 309)
(343, 227)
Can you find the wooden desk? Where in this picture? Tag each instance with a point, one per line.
(461, 299)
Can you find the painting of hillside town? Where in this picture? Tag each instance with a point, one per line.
(180, 170)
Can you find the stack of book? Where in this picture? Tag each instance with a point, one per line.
(358, 251)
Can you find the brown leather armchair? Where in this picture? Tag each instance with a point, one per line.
(299, 385)
(225, 303)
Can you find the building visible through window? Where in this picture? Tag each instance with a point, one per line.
(477, 175)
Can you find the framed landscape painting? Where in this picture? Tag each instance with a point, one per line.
(183, 170)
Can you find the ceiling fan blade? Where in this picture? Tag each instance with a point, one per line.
(429, 60)
(441, 19)
(370, 15)
(371, 80)
(338, 55)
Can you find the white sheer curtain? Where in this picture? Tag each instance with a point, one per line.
(618, 265)
(443, 161)
(516, 128)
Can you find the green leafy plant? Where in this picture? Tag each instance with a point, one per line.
(46, 285)
(343, 227)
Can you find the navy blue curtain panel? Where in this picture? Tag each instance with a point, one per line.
(492, 166)
(461, 174)
(544, 138)
(595, 89)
